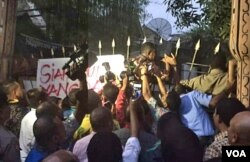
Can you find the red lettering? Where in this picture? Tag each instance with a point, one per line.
(59, 74)
(59, 89)
(93, 71)
(45, 76)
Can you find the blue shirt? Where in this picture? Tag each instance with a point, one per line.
(193, 114)
(36, 155)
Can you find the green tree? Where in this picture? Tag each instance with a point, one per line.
(212, 16)
(71, 21)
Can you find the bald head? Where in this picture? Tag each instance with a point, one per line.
(61, 156)
(239, 130)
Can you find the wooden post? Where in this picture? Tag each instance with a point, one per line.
(240, 47)
(7, 35)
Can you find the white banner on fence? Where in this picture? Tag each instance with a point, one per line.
(53, 79)
(93, 73)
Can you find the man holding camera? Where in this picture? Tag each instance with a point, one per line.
(147, 57)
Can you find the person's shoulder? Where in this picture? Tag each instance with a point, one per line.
(6, 134)
(35, 155)
(30, 115)
(196, 92)
(7, 138)
(85, 139)
(146, 139)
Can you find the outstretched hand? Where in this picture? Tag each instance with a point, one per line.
(169, 60)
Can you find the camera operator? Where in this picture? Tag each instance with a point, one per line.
(123, 97)
(148, 52)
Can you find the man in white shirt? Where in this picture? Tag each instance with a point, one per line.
(27, 139)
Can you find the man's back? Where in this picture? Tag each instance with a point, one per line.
(80, 148)
(193, 114)
(27, 139)
(9, 148)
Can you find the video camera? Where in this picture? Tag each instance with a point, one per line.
(79, 61)
(133, 67)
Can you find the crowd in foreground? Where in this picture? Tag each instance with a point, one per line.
(188, 123)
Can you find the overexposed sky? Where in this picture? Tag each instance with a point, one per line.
(158, 10)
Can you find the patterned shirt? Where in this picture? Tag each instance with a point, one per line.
(156, 112)
(16, 115)
(215, 149)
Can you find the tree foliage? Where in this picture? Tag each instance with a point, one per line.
(212, 16)
(70, 21)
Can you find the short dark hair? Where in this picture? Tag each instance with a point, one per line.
(109, 76)
(94, 101)
(36, 95)
(110, 91)
(47, 109)
(44, 128)
(139, 112)
(173, 101)
(66, 103)
(73, 96)
(227, 108)
(178, 143)
(147, 47)
(219, 61)
(100, 119)
(54, 99)
(104, 146)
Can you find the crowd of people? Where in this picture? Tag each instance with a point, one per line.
(189, 122)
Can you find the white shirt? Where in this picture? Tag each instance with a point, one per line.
(27, 139)
(131, 150)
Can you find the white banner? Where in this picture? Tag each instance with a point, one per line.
(53, 79)
(93, 73)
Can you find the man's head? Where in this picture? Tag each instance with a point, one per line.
(239, 129)
(110, 93)
(225, 111)
(36, 96)
(148, 50)
(61, 156)
(94, 101)
(140, 113)
(55, 100)
(47, 109)
(49, 133)
(101, 120)
(13, 89)
(72, 96)
(178, 143)
(219, 61)
(173, 101)
(104, 145)
(4, 108)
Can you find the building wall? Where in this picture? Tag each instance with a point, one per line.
(7, 35)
